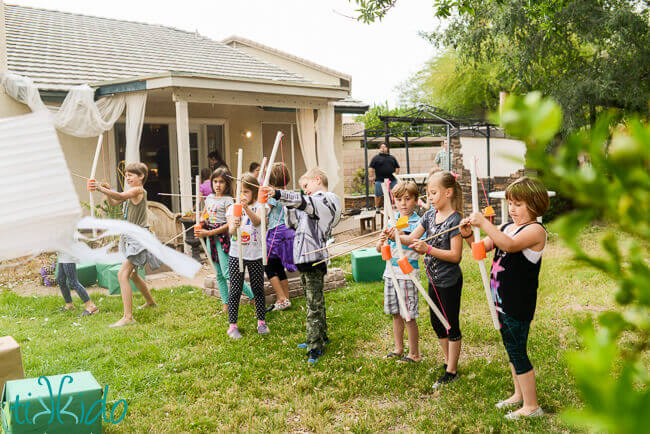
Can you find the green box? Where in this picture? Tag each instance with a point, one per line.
(114, 285)
(103, 274)
(86, 273)
(63, 407)
(367, 265)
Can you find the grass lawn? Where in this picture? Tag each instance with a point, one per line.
(179, 372)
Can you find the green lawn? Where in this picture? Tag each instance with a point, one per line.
(179, 372)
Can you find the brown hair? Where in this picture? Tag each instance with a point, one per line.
(139, 169)
(279, 176)
(205, 174)
(447, 180)
(224, 173)
(532, 192)
(313, 173)
(250, 182)
(406, 187)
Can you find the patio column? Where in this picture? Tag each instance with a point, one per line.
(184, 164)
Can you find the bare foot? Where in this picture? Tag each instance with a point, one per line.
(123, 322)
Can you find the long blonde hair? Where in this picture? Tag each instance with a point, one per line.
(447, 180)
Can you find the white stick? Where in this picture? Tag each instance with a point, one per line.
(404, 312)
(198, 212)
(414, 279)
(262, 167)
(240, 248)
(481, 263)
(269, 165)
(93, 170)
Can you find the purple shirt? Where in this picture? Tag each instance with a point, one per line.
(205, 188)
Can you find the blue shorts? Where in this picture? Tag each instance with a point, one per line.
(514, 334)
(378, 191)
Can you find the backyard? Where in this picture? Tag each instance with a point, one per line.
(179, 372)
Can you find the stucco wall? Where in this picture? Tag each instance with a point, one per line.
(501, 153)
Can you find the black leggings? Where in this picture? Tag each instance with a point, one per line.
(450, 298)
(274, 268)
(256, 274)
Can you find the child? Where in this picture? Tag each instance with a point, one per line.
(251, 240)
(68, 274)
(515, 272)
(205, 189)
(254, 169)
(279, 241)
(313, 215)
(135, 211)
(215, 229)
(406, 196)
(442, 258)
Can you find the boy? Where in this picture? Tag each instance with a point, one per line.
(406, 197)
(313, 215)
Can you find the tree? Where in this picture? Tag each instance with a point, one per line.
(371, 117)
(456, 86)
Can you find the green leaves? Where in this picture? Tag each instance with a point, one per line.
(605, 169)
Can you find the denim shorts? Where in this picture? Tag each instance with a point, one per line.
(378, 191)
(514, 334)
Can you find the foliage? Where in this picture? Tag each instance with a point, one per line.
(47, 273)
(106, 210)
(359, 182)
(614, 187)
(459, 86)
(371, 117)
(560, 205)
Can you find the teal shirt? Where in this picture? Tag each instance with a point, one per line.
(411, 254)
(277, 214)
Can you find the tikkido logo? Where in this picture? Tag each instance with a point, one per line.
(55, 410)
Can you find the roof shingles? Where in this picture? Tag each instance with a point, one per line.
(58, 50)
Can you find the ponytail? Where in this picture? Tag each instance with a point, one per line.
(448, 180)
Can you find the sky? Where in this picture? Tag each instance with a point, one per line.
(378, 56)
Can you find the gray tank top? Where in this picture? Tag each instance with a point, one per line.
(137, 213)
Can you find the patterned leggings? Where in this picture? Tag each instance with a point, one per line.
(256, 274)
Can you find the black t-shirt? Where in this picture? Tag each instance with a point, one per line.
(384, 165)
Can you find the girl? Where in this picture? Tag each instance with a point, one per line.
(279, 241)
(442, 256)
(135, 211)
(206, 183)
(249, 222)
(406, 196)
(215, 229)
(515, 272)
(68, 274)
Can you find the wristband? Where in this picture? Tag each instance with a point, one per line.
(429, 251)
(469, 236)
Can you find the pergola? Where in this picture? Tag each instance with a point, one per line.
(424, 121)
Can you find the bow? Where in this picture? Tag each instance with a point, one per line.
(262, 198)
(478, 251)
(198, 212)
(93, 170)
(387, 256)
(237, 210)
(407, 268)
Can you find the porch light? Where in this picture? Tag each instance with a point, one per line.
(247, 133)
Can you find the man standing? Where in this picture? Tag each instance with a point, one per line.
(384, 166)
(443, 159)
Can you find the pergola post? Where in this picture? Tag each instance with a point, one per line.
(406, 146)
(488, 158)
(365, 148)
(449, 149)
(184, 162)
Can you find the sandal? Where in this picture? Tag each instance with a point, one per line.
(393, 354)
(87, 312)
(407, 359)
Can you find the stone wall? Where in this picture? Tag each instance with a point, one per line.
(334, 279)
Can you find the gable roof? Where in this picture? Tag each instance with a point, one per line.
(240, 40)
(58, 50)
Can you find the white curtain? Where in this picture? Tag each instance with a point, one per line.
(306, 135)
(135, 105)
(79, 114)
(325, 147)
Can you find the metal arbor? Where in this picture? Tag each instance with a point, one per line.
(424, 121)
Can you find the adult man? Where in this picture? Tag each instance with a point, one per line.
(443, 160)
(384, 166)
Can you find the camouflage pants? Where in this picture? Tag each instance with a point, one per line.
(312, 282)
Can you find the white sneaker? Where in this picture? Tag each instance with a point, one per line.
(536, 413)
(506, 404)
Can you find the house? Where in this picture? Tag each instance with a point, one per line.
(196, 95)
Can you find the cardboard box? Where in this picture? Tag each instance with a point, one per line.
(63, 404)
(11, 362)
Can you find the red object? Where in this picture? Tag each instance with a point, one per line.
(237, 210)
(385, 252)
(405, 265)
(478, 250)
(262, 197)
(88, 185)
